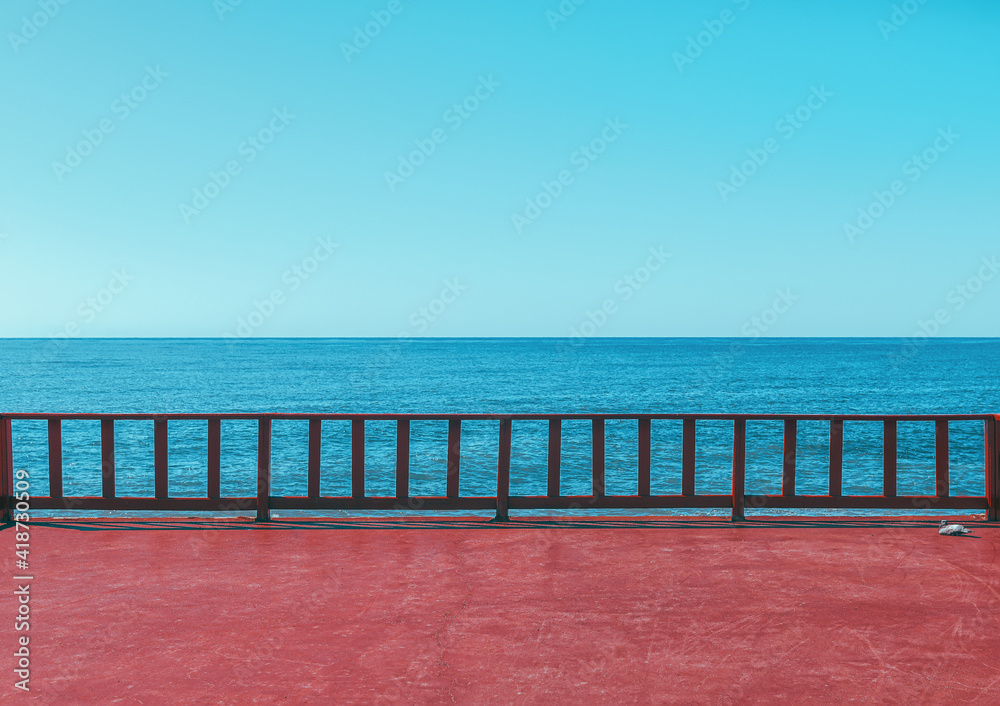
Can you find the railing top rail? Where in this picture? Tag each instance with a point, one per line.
(491, 416)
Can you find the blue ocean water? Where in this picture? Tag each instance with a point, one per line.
(823, 376)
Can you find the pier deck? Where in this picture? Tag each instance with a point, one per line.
(432, 611)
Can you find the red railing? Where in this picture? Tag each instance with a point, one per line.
(264, 502)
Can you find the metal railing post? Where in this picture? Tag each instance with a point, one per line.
(314, 459)
(454, 457)
(555, 457)
(503, 473)
(836, 482)
(161, 463)
(403, 458)
(263, 469)
(993, 468)
(358, 458)
(687, 457)
(890, 457)
(6, 471)
(788, 458)
(942, 482)
(214, 458)
(108, 457)
(55, 459)
(739, 468)
(644, 457)
(597, 454)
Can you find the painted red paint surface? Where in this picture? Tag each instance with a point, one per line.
(576, 612)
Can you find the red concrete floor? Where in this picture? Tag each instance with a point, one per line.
(460, 611)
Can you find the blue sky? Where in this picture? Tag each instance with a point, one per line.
(403, 183)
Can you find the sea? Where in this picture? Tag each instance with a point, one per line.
(501, 375)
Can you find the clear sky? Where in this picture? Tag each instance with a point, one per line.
(519, 168)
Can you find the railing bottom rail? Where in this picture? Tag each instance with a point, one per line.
(515, 502)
